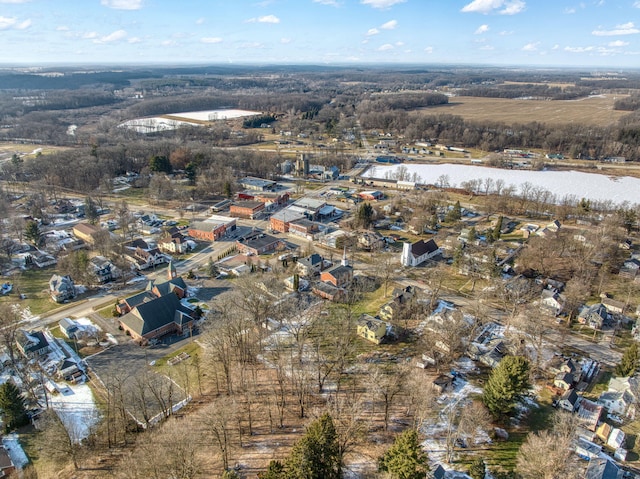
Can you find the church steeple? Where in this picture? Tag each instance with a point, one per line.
(171, 271)
(345, 261)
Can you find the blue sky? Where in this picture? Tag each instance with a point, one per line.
(598, 33)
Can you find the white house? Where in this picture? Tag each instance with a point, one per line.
(620, 398)
(414, 254)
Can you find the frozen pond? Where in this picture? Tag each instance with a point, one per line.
(593, 186)
(212, 115)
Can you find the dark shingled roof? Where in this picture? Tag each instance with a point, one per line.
(155, 314)
(420, 247)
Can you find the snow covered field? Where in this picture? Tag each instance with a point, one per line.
(210, 115)
(592, 186)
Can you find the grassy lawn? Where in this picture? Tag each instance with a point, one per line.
(190, 349)
(34, 283)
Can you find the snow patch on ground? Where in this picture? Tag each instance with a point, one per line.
(76, 409)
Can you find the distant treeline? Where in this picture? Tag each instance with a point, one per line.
(545, 92)
(257, 121)
(404, 101)
(630, 103)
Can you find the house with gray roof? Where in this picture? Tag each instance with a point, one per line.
(61, 288)
(601, 468)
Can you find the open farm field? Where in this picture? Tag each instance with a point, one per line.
(7, 149)
(596, 110)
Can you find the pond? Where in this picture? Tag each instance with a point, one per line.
(593, 186)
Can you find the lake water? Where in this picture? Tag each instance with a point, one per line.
(593, 186)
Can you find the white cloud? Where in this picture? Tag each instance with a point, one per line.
(486, 47)
(14, 1)
(285, 41)
(252, 45)
(428, 50)
(637, 4)
(505, 33)
(503, 7)
(211, 40)
(90, 35)
(264, 19)
(385, 48)
(112, 37)
(381, 4)
(531, 47)
(200, 21)
(123, 4)
(569, 11)
(62, 28)
(7, 23)
(333, 3)
(555, 47)
(167, 43)
(578, 49)
(399, 44)
(623, 29)
(390, 25)
(372, 31)
(133, 40)
(482, 29)
(24, 25)
(618, 43)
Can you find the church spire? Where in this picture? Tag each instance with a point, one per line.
(171, 271)
(345, 261)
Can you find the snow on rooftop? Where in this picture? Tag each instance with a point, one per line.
(15, 451)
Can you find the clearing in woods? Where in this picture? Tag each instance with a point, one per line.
(595, 110)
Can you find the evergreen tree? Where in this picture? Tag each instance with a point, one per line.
(274, 471)
(91, 210)
(455, 213)
(317, 454)
(495, 234)
(160, 164)
(14, 412)
(405, 459)
(227, 189)
(629, 361)
(506, 385)
(32, 232)
(365, 215)
(478, 469)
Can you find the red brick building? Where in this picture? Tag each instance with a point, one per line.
(246, 209)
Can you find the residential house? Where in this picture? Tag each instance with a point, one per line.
(270, 199)
(258, 243)
(173, 245)
(589, 414)
(603, 432)
(414, 254)
(87, 232)
(40, 259)
(441, 473)
(601, 468)
(311, 265)
(569, 400)
(593, 316)
(616, 439)
(620, 397)
(371, 329)
(246, 209)
(103, 269)
(371, 240)
(145, 259)
(400, 304)
(563, 381)
(68, 369)
(32, 344)
(212, 229)
(613, 306)
(68, 327)
(61, 288)
(552, 301)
